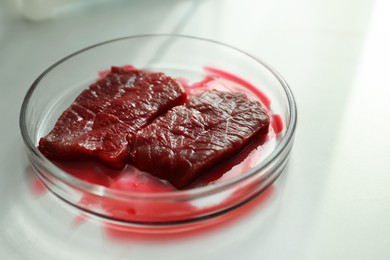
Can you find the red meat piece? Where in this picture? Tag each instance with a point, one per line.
(191, 138)
(98, 121)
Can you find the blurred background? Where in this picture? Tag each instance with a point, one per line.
(332, 203)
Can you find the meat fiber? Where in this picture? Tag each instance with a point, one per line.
(98, 121)
(189, 139)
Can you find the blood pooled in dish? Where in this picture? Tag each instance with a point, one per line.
(130, 102)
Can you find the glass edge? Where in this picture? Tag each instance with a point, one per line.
(198, 192)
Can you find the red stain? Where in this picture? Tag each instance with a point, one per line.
(38, 189)
(79, 220)
(90, 171)
(116, 232)
(277, 123)
(132, 180)
(129, 179)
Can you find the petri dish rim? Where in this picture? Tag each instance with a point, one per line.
(160, 196)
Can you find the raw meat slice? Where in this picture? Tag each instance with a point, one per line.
(96, 124)
(191, 138)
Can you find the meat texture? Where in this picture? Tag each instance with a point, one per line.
(191, 138)
(98, 121)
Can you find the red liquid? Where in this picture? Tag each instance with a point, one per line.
(277, 123)
(131, 179)
(36, 186)
(124, 233)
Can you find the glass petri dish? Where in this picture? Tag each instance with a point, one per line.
(182, 57)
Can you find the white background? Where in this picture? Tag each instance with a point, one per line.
(333, 201)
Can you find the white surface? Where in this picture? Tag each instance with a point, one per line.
(335, 200)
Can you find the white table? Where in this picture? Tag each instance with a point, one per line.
(334, 200)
